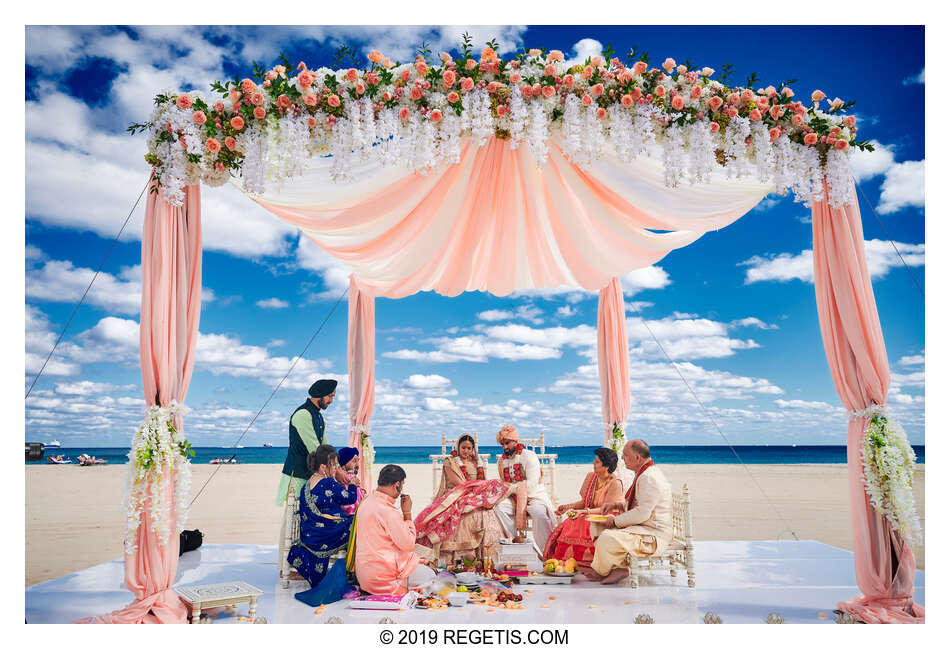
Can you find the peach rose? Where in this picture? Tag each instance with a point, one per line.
(601, 113)
(333, 100)
(448, 78)
(549, 70)
(467, 84)
(639, 67)
(360, 88)
(774, 132)
(404, 113)
(301, 66)
(788, 92)
(387, 96)
(311, 121)
(680, 69)
(597, 89)
(199, 117)
(555, 55)
(733, 98)
(668, 65)
(536, 90)
(493, 87)
(625, 77)
(715, 103)
(435, 115)
(212, 145)
(548, 91)
(849, 121)
(534, 52)
(237, 122)
(421, 68)
(404, 75)
(470, 64)
(502, 110)
(283, 101)
(817, 96)
(488, 54)
(351, 75)
(660, 91)
(306, 79)
(811, 139)
(371, 79)
(762, 102)
(597, 61)
(260, 113)
(677, 103)
(247, 86)
(230, 142)
(387, 63)
(375, 56)
(184, 102)
(841, 145)
(836, 103)
(568, 81)
(706, 72)
(636, 93)
(271, 75)
(714, 127)
(732, 112)
(219, 107)
(695, 92)
(234, 95)
(627, 100)
(746, 96)
(834, 132)
(586, 100)
(514, 78)
(797, 120)
(588, 72)
(310, 99)
(755, 115)
(453, 97)
(526, 92)
(416, 93)
(445, 57)
(257, 98)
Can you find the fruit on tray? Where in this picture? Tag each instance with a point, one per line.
(462, 589)
(557, 566)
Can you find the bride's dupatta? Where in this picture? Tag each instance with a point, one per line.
(440, 520)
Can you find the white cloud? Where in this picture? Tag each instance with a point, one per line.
(584, 48)
(644, 278)
(903, 187)
(527, 312)
(814, 406)
(438, 403)
(915, 78)
(784, 267)
(566, 311)
(915, 359)
(335, 276)
(752, 322)
(427, 381)
(272, 303)
(868, 164)
(636, 306)
(86, 388)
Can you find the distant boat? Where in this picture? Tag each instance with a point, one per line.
(239, 446)
(54, 444)
(219, 460)
(268, 445)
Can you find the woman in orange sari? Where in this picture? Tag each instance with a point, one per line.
(572, 537)
(460, 523)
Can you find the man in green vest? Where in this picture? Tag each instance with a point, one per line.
(307, 432)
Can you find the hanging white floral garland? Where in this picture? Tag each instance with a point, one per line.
(265, 130)
(889, 472)
(158, 451)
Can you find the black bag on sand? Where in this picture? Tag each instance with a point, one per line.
(189, 540)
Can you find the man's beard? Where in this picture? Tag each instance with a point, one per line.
(511, 451)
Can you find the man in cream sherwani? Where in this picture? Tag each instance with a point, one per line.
(645, 528)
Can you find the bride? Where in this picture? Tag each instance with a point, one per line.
(460, 523)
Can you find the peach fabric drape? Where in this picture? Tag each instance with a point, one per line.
(496, 222)
(168, 333)
(883, 560)
(361, 356)
(613, 362)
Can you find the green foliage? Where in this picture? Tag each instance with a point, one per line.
(634, 56)
(345, 52)
(864, 145)
(751, 80)
(844, 106)
(424, 50)
(608, 53)
(466, 48)
(136, 128)
(726, 72)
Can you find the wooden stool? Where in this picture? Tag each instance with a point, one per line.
(213, 595)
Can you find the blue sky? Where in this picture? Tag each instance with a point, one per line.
(736, 309)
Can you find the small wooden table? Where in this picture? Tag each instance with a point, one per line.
(207, 596)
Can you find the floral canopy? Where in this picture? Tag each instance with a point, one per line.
(493, 174)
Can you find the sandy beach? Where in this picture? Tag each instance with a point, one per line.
(73, 517)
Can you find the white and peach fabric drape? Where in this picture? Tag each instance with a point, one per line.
(168, 334)
(361, 358)
(613, 360)
(854, 344)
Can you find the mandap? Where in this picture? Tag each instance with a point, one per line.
(480, 173)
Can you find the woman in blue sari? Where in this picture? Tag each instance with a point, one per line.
(324, 525)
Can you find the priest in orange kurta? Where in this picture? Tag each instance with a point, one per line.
(386, 536)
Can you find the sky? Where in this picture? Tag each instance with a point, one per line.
(735, 310)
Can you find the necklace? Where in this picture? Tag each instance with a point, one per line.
(600, 483)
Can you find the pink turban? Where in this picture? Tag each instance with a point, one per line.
(507, 432)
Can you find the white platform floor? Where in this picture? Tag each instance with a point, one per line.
(741, 581)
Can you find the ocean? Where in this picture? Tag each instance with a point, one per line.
(565, 454)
